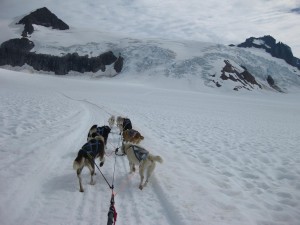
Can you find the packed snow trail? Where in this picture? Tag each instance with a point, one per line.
(126, 185)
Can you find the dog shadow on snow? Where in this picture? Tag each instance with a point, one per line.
(65, 182)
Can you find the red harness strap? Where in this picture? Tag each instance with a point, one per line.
(115, 214)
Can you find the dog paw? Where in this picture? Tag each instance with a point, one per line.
(81, 190)
(101, 164)
(141, 187)
(92, 183)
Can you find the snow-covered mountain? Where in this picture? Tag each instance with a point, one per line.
(198, 63)
(278, 50)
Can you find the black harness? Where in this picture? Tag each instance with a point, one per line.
(140, 153)
(92, 148)
(101, 131)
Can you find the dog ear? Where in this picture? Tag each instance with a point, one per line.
(94, 126)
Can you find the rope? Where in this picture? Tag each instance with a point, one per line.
(113, 179)
(91, 158)
(112, 214)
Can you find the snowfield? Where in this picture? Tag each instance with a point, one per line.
(228, 159)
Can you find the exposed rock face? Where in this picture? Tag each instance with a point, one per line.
(22, 45)
(42, 17)
(278, 50)
(16, 52)
(119, 64)
(244, 77)
(241, 78)
(272, 84)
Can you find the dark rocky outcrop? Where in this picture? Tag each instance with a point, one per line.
(272, 84)
(18, 44)
(278, 50)
(119, 64)
(245, 79)
(16, 52)
(43, 17)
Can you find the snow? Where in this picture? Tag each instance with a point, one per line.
(260, 42)
(228, 159)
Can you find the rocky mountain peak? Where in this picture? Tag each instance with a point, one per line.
(278, 50)
(43, 17)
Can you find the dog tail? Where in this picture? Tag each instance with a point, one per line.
(79, 161)
(156, 158)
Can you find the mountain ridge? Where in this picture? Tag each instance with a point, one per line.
(200, 62)
(278, 50)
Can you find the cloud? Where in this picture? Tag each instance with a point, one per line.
(223, 22)
(296, 10)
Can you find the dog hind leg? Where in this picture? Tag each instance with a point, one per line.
(79, 178)
(150, 170)
(132, 167)
(92, 172)
(102, 162)
(142, 168)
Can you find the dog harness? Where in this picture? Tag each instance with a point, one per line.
(100, 130)
(139, 152)
(91, 148)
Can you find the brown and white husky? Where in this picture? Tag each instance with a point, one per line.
(137, 155)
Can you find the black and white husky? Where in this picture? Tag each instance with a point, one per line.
(103, 131)
(137, 155)
(123, 123)
(93, 149)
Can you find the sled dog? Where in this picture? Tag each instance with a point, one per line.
(103, 131)
(132, 136)
(91, 150)
(137, 155)
(123, 123)
(111, 121)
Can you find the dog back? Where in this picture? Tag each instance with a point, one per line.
(132, 135)
(93, 148)
(96, 131)
(104, 131)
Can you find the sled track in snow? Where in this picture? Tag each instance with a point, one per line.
(129, 199)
